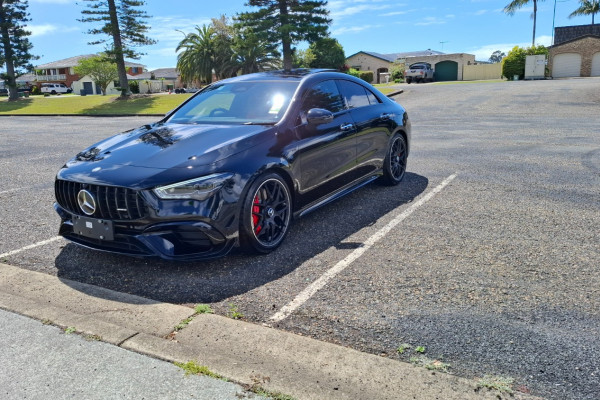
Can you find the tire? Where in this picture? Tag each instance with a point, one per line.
(53, 92)
(394, 165)
(408, 80)
(266, 214)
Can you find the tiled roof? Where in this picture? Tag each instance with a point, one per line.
(394, 56)
(73, 61)
(167, 73)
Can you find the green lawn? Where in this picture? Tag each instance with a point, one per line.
(92, 105)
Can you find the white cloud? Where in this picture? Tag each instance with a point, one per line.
(431, 21)
(353, 29)
(54, 1)
(41, 30)
(483, 53)
(390, 14)
(341, 9)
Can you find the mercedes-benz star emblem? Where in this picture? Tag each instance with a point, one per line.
(86, 202)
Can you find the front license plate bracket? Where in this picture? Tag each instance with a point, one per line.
(93, 228)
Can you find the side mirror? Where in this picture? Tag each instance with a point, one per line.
(319, 116)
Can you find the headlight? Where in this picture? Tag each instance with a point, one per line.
(199, 188)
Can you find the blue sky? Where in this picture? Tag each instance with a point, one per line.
(463, 26)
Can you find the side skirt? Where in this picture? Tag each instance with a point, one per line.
(341, 193)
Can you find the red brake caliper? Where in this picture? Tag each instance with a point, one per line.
(255, 211)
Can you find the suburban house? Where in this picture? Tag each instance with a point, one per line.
(62, 71)
(448, 67)
(158, 80)
(575, 52)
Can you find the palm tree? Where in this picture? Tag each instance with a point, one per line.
(587, 7)
(254, 55)
(195, 62)
(514, 5)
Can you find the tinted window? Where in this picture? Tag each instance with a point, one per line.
(372, 98)
(354, 94)
(323, 95)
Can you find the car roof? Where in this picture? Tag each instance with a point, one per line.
(290, 74)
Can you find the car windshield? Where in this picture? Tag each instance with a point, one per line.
(417, 66)
(255, 102)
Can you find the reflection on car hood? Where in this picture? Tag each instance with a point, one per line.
(131, 157)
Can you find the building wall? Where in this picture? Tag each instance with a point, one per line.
(482, 72)
(365, 62)
(586, 46)
(461, 59)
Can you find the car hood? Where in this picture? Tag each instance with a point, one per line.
(131, 158)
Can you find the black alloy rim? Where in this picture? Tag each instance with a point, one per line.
(398, 158)
(270, 212)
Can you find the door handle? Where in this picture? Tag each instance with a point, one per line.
(346, 127)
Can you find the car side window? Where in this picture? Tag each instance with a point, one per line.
(372, 98)
(323, 95)
(354, 94)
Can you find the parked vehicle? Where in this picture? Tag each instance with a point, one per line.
(419, 72)
(233, 165)
(55, 88)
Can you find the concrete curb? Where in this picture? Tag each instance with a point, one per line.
(243, 352)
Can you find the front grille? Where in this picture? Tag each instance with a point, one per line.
(114, 203)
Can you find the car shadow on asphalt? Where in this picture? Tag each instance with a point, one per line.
(215, 280)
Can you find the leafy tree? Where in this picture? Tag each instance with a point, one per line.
(287, 22)
(326, 53)
(223, 60)
(102, 71)
(15, 46)
(587, 7)
(514, 63)
(195, 62)
(124, 24)
(514, 5)
(497, 56)
(302, 58)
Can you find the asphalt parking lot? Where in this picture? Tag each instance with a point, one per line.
(490, 262)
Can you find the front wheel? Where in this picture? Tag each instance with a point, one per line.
(266, 214)
(394, 165)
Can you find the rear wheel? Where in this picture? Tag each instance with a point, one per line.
(266, 214)
(394, 165)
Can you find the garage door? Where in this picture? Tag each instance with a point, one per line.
(596, 65)
(566, 65)
(446, 71)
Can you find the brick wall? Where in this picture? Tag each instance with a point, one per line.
(587, 47)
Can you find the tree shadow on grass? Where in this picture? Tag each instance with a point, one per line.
(10, 106)
(132, 105)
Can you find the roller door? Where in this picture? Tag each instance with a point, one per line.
(566, 65)
(596, 65)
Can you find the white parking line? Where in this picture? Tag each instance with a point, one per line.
(310, 290)
(31, 246)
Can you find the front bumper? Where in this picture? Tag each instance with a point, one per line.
(181, 240)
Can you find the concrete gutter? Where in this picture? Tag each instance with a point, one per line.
(242, 352)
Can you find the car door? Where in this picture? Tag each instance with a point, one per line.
(374, 124)
(326, 152)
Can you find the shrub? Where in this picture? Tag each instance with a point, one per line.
(366, 76)
(353, 72)
(35, 90)
(134, 87)
(514, 63)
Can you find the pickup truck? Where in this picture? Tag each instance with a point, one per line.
(419, 72)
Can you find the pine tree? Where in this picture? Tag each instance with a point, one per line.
(15, 46)
(287, 22)
(123, 23)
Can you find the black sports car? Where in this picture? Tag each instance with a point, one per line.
(234, 164)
